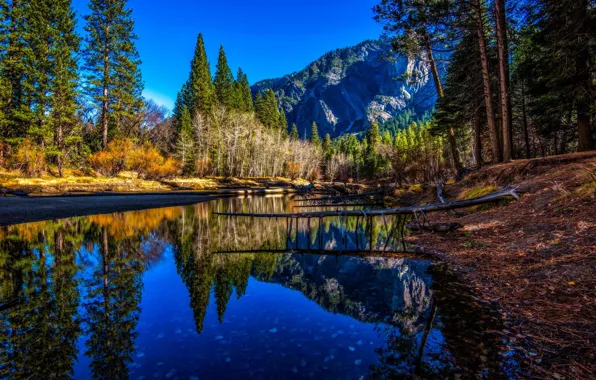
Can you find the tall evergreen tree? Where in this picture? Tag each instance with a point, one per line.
(283, 122)
(198, 94)
(327, 147)
(15, 67)
(224, 82)
(244, 91)
(64, 78)
(294, 133)
(112, 63)
(558, 65)
(314, 134)
(267, 110)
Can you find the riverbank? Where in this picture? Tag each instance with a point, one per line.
(77, 182)
(534, 259)
(14, 210)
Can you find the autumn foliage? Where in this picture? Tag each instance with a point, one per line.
(292, 169)
(145, 160)
(29, 159)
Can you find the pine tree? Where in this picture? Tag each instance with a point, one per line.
(15, 66)
(244, 92)
(327, 147)
(556, 63)
(112, 63)
(224, 82)
(294, 133)
(267, 110)
(314, 134)
(64, 79)
(371, 154)
(200, 95)
(283, 122)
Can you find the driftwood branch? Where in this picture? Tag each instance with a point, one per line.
(499, 195)
(338, 205)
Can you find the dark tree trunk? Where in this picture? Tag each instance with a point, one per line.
(525, 123)
(437, 79)
(504, 100)
(477, 140)
(488, 98)
(585, 140)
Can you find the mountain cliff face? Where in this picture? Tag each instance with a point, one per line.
(344, 90)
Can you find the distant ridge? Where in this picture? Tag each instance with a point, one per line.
(345, 89)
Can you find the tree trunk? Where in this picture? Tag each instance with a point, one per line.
(437, 79)
(503, 56)
(585, 140)
(488, 98)
(525, 123)
(105, 93)
(59, 141)
(477, 140)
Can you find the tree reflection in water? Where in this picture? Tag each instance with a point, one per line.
(81, 279)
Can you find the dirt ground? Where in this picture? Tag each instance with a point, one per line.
(534, 259)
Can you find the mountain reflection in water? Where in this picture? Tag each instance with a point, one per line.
(149, 294)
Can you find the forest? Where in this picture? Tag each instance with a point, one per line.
(518, 82)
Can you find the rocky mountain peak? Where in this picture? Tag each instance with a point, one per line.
(345, 90)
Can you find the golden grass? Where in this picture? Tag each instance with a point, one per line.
(476, 192)
(78, 181)
(417, 188)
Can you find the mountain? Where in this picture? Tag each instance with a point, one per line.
(346, 89)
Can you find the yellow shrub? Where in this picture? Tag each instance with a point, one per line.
(292, 169)
(165, 169)
(142, 159)
(30, 159)
(417, 188)
(112, 161)
(450, 182)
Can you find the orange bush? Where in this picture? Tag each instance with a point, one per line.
(112, 161)
(30, 159)
(292, 169)
(142, 158)
(165, 169)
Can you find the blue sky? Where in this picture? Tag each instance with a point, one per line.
(267, 38)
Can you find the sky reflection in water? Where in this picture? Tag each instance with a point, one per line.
(146, 294)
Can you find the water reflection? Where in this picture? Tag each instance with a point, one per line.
(73, 301)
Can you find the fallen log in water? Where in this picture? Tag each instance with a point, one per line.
(338, 205)
(341, 198)
(499, 195)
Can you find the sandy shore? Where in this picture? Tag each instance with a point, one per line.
(14, 210)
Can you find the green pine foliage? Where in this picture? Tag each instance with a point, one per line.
(16, 69)
(243, 94)
(198, 93)
(327, 147)
(112, 65)
(267, 109)
(224, 82)
(294, 133)
(314, 134)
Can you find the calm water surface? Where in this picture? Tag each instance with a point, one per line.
(176, 293)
